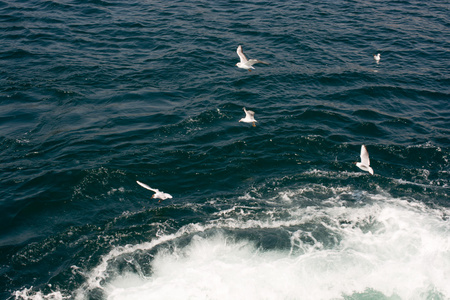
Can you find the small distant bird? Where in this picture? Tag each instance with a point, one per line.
(249, 117)
(247, 64)
(365, 162)
(377, 57)
(158, 194)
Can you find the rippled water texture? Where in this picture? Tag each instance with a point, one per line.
(95, 95)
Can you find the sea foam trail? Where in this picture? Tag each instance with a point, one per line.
(389, 248)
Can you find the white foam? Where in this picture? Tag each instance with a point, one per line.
(331, 174)
(28, 294)
(114, 190)
(395, 247)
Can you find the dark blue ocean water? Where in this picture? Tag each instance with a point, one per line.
(95, 95)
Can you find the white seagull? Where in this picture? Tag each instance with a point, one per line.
(377, 57)
(245, 63)
(249, 117)
(365, 162)
(158, 194)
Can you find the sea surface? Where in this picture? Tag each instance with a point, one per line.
(98, 94)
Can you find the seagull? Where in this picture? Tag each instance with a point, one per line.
(365, 162)
(249, 117)
(247, 64)
(157, 194)
(377, 57)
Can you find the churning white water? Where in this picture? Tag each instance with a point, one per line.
(379, 248)
(388, 249)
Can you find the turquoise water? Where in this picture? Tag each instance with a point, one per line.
(95, 95)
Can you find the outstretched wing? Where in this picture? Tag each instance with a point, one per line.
(241, 54)
(147, 187)
(255, 61)
(249, 113)
(364, 156)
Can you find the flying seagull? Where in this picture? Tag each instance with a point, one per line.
(158, 194)
(365, 162)
(245, 63)
(377, 57)
(249, 117)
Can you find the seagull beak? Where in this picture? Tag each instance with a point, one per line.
(254, 125)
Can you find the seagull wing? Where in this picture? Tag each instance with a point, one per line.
(249, 113)
(364, 156)
(147, 187)
(255, 61)
(241, 54)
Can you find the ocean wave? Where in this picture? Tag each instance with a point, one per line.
(324, 246)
